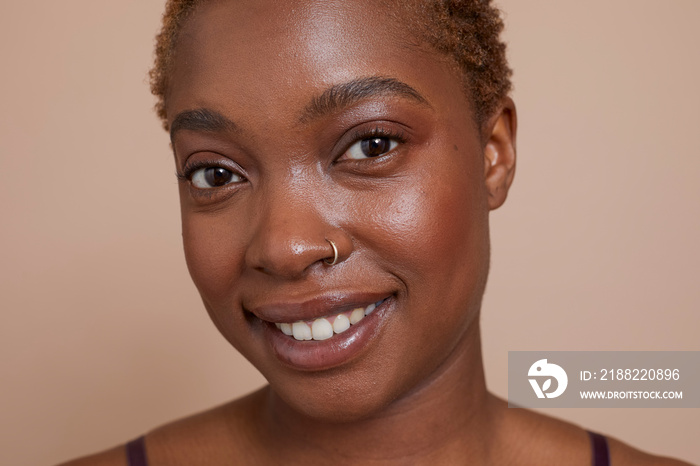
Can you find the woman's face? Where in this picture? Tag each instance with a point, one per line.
(301, 122)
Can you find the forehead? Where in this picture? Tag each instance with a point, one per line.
(254, 54)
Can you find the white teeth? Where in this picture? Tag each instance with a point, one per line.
(321, 329)
(357, 315)
(301, 331)
(341, 323)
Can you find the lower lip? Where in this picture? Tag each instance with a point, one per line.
(341, 348)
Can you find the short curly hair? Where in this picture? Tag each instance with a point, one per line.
(467, 31)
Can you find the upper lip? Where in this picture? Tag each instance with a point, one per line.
(314, 307)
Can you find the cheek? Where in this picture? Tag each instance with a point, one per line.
(214, 259)
(433, 235)
(434, 226)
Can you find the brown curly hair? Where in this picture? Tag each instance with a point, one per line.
(468, 31)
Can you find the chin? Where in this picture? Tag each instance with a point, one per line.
(340, 395)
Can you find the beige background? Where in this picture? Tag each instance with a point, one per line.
(103, 336)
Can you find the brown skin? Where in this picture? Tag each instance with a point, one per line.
(411, 223)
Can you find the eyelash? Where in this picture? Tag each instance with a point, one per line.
(376, 132)
(192, 167)
(358, 135)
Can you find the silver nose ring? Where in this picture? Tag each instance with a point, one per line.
(335, 254)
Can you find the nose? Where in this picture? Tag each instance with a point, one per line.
(291, 236)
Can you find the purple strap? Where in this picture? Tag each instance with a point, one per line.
(599, 445)
(136, 452)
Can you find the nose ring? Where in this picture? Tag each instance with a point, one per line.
(335, 254)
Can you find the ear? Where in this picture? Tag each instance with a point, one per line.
(499, 153)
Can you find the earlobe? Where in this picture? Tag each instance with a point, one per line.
(499, 153)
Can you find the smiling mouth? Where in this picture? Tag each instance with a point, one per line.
(324, 328)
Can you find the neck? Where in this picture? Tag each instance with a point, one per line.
(448, 415)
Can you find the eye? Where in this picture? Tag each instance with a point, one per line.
(213, 177)
(371, 147)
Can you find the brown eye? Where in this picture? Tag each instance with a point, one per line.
(371, 147)
(214, 177)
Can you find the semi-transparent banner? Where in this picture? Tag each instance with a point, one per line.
(604, 379)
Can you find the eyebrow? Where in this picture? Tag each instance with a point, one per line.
(201, 119)
(343, 95)
(334, 98)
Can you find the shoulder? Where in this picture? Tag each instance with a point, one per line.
(535, 438)
(113, 457)
(203, 438)
(622, 454)
(217, 433)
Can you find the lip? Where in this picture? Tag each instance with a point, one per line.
(319, 306)
(341, 348)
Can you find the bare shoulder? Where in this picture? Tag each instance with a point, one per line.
(210, 437)
(622, 454)
(202, 438)
(535, 438)
(113, 457)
